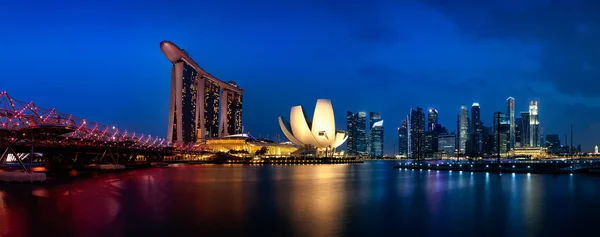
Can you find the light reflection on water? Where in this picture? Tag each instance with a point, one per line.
(370, 199)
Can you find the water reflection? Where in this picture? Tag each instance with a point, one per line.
(370, 199)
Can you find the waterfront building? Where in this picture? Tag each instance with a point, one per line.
(376, 134)
(200, 106)
(403, 139)
(529, 152)
(417, 133)
(446, 144)
(409, 137)
(432, 119)
(501, 132)
(542, 140)
(368, 153)
(319, 133)
(429, 146)
(534, 124)
(351, 131)
(518, 132)
(361, 133)
(437, 131)
(510, 115)
(489, 141)
(525, 129)
(463, 129)
(476, 131)
(357, 135)
(244, 145)
(553, 143)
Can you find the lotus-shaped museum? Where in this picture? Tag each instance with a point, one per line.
(319, 133)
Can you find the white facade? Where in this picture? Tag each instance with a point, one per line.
(321, 134)
(534, 124)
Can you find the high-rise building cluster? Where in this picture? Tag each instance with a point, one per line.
(506, 133)
(420, 138)
(359, 143)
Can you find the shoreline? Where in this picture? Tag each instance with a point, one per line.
(523, 167)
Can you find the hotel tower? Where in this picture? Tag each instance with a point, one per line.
(200, 106)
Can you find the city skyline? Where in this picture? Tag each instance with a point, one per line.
(390, 54)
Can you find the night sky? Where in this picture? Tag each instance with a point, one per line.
(101, 59)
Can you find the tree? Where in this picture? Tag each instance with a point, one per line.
(262, 151)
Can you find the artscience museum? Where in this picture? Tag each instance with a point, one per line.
(318, 133)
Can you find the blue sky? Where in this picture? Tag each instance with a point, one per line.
(101, 59)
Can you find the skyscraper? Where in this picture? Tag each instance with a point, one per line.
(432, 119)
(510, 115)
(403, 139)
(417, 133)
(232, 110)
(501, 131)
(360, 139)
(463, 129)
(553, 143)
(350, 129)
(518, 132)
(376, 133)
(409, 128)
(200, 105)
(476, 130)
(525, 129)
(357, 140)
(534, 123)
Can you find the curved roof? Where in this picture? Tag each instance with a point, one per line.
(176, 54)
(319, 132)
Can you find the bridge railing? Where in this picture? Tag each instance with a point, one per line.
(16, 116)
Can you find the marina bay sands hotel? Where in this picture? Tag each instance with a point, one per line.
(201, 106)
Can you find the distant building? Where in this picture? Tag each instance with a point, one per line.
(351, 130)
(446, 144)
(360, 128)
(403, 139)
(534, 124)
(553, 143)
(501, 132)
(542, 137)
(357, 136)
(510, 115)
(489, 141)
(417, 133)
(476, 131)
(429, 147)
(437, 131)
(463, 129)
(376, 133)
(530, 152)
(518, 133)
(368, 153)
(432, 119)
(525, 133)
